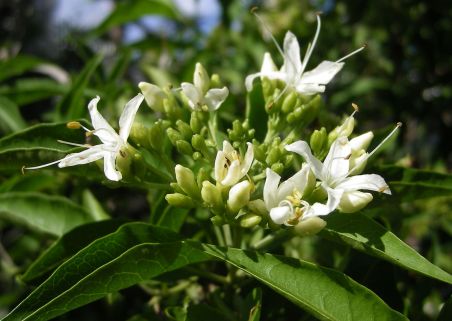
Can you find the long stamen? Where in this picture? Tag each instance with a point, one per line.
(73, 144)
(41, 166)
(312, 46)
(349, 118)
(253, 11)
(76, 125)
(352, 53)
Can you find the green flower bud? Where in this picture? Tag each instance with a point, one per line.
(172, 109)
(259, 152)
(217, 220)
(196, 122)
(196, 156)
(176, 188)
(215, 81)
(179, 200)
(153, 95)
(318, 141)
(249, 220)
(258, 206)
(184, 129)
(201, 78)
(273, 155)
(361, 142)
(212, 195)
(186, 180)
(277, 168)
(174, 136)
(155, 136)
(310, 226)
(289, 102)
(203, 175)
(184, 147)
(125, 159)
(140, 134)
(354, 201)
(199, 143)
(239, 196)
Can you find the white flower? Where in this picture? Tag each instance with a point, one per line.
(112, 143)
(284, 202)
(230, 167)
(293, 70)
(199, 95)
(343, 190)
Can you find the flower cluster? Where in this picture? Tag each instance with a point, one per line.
(238, 175)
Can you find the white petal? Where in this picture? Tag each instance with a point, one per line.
(153, 95)
(334, 197)
(215, 97)
(267, 64)
(110, 167)
(233, 174)
(297, 181)
(354, 201)
(292, 61)
(201, 78)
(268, 74)
(281, 214)
(309, 89)
(270, 189)
(336, 164)
(193, 95)
(361, 141)
(92, 154)
(248, 160)
(227, 148)
(220, 166)
(371, 182)
(322, 74)
(128, 115)
(103, 129)
(302, 148)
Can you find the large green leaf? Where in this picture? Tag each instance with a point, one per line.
(68, 245)
(325, 293)
(51, 214)
(130, 11)
(134, 253)
(10, 116)
(366, 235)
(410, 184)
(72, 105)
(17, 65)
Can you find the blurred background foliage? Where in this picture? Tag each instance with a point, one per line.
(55, 55)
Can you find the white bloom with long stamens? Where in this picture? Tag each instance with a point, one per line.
(199, 95)
(344, 190)
(293, 69)
(230, 166)
(284, 201)
(112, 142)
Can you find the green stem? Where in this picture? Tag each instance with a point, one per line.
(213, 127)
(219, 235)
(273, 239)
(227, 235)
(208, 275)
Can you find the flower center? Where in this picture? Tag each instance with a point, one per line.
(297, 205)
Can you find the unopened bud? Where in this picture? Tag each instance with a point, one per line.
(201, 78)
(354, 201)
(361, 142)
(239, 196)
(184, 147)
(258, 206)
(179, 200)
(217, 220)
(176, 187)
(215, 81)
(186, 180)
(199, 143)
(174, 136)
(153, 95)
(211, 195)
(310, 226)
(318, 141)
(250, 220)
(196, 123)
(277, 168)
(156, 135)
(289, 102)
(184, 129)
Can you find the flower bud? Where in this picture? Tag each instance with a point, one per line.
(273, 155)
(153, 95)
(199, 143)
(215, 81)
(203, 175)
(310, 226)
(155, 136)
(211, 195)
(318, 141)
(217, 220)
(249, 220)
(184, 129)
(239, 196)
(176, 188)
(354, 201)
(201, 78)
(258, 206)
(361, 142)
(196, 121)
(289, 102)
(184, 147)
(179, 200)
(186, 180)
(277, 168)
(174, 135)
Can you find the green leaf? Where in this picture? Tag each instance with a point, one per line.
(366, 235)
(409, 184)
(134, 253)
(130, 11)
(325, 293)
(29, 90)
(72, 105)
(17, 65)
(10, 116)
(67, 245)
(51, 214)
(173, 218)
(255, 111)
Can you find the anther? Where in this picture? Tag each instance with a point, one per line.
(23, 170)
(355, 107)
(73, 125)
(254, 9)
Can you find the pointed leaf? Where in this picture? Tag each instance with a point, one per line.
(366, 235)
(10, 116)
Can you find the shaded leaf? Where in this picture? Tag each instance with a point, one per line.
(10, 116)
(366, 235)
(17, 66)
(26, 91)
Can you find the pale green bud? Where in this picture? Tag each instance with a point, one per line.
(184, 129)
(176, 187)
(217, 220)
(153, 95)
(289, 102)
(343, 130)
(196, 121)
(318, 141)
(156, 134)
(211, 195)
(310, 226)
(140, 134)
(201, 78)
(250, 220)
(186, 180)
(215, 81)
(361, 142)
(196, 156)
(354, 201)
(277, 168)
(174, 135)
(273, 155)
(199, 143)
(239, 196)
(184, 147)
(179, 200)
(258, 206)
